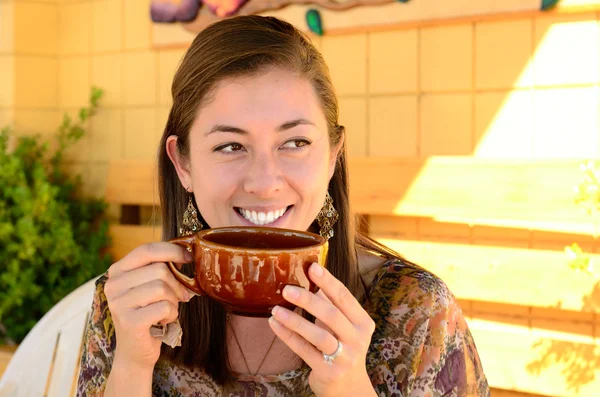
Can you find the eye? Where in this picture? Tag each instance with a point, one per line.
(296, 143)
(228, 148)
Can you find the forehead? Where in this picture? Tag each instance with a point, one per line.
(275, 94)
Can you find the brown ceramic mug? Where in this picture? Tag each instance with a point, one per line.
(246, 267)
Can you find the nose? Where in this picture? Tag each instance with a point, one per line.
(263, 176)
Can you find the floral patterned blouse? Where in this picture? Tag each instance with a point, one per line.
(421, 347)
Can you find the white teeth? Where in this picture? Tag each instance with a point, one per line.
(270, 217)
(262, 218)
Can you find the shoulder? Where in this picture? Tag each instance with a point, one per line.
(401, 283)
(402, 301)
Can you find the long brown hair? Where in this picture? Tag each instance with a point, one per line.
(234, 47)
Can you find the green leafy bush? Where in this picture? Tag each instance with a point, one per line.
(52, 239)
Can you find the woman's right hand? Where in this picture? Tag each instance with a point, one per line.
(141, 291)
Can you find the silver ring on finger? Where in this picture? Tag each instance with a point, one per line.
(328, 358)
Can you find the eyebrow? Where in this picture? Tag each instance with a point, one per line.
(283, 127)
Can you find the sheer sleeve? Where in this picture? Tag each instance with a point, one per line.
(422, 346)
(98, 348)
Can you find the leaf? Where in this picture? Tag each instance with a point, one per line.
(84, 114)
(578, 260)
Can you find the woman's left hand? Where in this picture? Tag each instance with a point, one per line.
(345, 321)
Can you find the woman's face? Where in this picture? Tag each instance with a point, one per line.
(259, 153)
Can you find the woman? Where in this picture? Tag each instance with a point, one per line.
(253, 139)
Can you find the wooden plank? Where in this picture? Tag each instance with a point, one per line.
(132, 182)
(519, 358)
(126, 237)
(426, 229)
(510, 393)
(500, 192)
(539, 278)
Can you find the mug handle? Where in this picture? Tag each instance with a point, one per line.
(191, 283)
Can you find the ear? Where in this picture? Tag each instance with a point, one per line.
(181, 166)
(335, 152)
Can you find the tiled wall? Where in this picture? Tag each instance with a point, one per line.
(57, 50)
(468, 89)
(524, 88)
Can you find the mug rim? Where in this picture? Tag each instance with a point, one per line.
(319, 240)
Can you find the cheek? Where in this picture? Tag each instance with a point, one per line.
(308, 177)
(214, 184)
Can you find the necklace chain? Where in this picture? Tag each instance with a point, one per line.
(242, 352)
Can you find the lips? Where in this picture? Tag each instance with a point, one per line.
(261, 218)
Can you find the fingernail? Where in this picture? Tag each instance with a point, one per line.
(273, 322)
(317, 269)
(188, 256)
(290, 292)
(279, 313)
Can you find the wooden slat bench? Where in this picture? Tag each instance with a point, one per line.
(495, 230)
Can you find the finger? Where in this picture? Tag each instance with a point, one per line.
(147, 294)
(122, 283)
(305, 350)
(338, 294)
(163, 312)
(368, 325)
(318, 322)
(148, 253)
(320, 338)
(323, 310)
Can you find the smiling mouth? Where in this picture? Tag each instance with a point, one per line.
(262, 218)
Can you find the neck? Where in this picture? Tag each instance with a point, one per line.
(259, 351)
